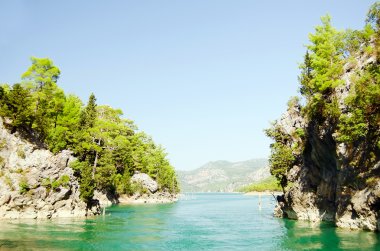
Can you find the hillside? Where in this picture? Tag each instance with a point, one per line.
(223, 176)
(268, 184)
(328, 147)
(60, 157)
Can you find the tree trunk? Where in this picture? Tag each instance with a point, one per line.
(96, 159)
(95, 163)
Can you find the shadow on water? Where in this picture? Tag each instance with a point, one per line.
(303, 235)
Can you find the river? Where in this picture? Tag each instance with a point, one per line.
(196, 222)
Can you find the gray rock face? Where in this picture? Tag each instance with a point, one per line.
(27, 174)
(326, 186)
(146, 181)
(105, 199)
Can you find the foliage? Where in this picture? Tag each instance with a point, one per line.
(23, 185)
(322, 68)
(363, 113)
(3, 143)
(281, 160)
(354, 119)
(47, 98)
(64, 134)
(108, 147)
(17, 106)
(373, 16)
(87, 184)
(268, 184)
(8, 181)
(62, 181)
(21, 153)
(282, 157)
(1, 162)
(293, 102)
(300, 133)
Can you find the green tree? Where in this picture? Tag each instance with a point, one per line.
(64, 134)
(281, 159)
(48, 98)
(373, 16)
(106, 145)
(89, 114)
(322, 69)
(17, 107)
(326, 57)
(87, 184)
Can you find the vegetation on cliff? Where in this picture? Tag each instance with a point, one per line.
(108, 147)
(336, 62)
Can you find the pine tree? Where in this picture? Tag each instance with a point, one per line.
(18, 107)
(89, 114)
(47, 98)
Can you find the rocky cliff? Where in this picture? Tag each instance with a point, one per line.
(329, 179)
(34, 183)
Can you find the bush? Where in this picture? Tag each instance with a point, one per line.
(46, 182)
(123, 184)
(9, 182)
(281, 160)
(24, 186)
(137, 188)
(63, 181)
(372, 181)
(3, 143)
(300, 133)
(19, 170)
(293, 101)
(2, 162)
(21, 153)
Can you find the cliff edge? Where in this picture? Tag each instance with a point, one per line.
(326, 150)
(34, 183)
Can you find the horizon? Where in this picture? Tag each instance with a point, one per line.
(204, 79)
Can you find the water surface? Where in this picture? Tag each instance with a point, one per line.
(197, 222)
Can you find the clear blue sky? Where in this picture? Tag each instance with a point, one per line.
(204, 78)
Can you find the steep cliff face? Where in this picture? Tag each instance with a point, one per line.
(34, 183)
(330, 180)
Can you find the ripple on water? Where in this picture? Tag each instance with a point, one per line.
(208, 222)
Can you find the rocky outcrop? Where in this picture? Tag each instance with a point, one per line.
(34, 183)
(105, 198)
(149, 198)
(146, 191)
(145, 181)
(330, 181)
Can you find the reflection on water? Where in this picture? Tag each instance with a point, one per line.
(208, 222)
(324, 236)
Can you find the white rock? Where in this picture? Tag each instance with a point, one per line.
(146, 181)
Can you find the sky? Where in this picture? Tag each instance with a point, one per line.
(204, 78)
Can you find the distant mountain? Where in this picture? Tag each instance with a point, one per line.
(223, 176)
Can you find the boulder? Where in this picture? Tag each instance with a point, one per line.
(146, 181)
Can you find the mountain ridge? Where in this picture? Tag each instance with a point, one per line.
(223, 175)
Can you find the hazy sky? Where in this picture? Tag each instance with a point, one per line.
(204, 78)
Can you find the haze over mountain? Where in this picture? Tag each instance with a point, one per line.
(223, 176)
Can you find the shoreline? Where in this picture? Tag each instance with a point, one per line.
(150, 199)
(255, 193)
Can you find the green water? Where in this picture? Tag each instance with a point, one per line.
(200, 222)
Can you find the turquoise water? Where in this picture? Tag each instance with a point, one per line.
(198, 222)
